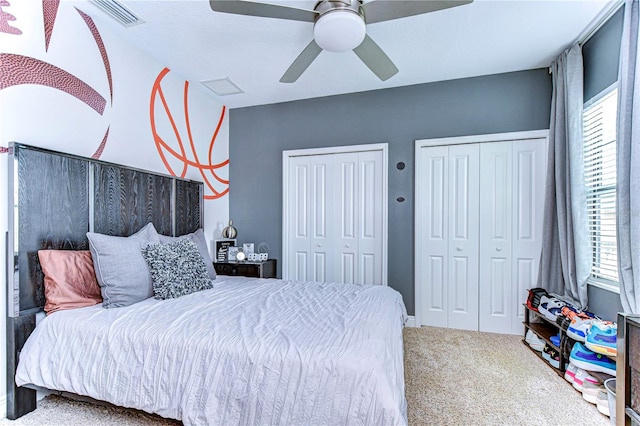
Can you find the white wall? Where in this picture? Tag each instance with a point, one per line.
(35, 113)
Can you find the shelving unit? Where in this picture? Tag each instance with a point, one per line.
(544, 330)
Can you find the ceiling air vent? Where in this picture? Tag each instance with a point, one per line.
(118, 12)
(223, 86)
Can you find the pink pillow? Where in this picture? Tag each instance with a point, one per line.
(69, 280)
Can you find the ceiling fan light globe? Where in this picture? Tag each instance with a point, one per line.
(339, 31)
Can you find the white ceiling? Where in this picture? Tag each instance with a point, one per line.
(484, 37)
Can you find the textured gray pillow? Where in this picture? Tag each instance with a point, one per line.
(121, 270)
(177, 269)
(198, 238)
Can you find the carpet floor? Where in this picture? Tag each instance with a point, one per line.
(452, 377)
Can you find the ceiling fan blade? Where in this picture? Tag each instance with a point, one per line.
(385, 10)
(240, 7)
(302, 62)
(375, 58)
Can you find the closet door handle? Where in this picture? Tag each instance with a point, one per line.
(347, 245)
(498, 249)
(318, 245)
(459, 248)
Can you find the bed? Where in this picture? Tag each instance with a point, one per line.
(247, 351)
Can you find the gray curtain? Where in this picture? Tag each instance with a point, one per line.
(564, 261)
(628, 180)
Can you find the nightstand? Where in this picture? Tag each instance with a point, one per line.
(264, 269)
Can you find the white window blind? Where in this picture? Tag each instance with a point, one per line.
(599, 132)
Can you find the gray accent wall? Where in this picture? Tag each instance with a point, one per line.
(604, 303)
(509, 102)
(601, 56)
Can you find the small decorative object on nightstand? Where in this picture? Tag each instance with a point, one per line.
(266, 269)
(263, 252)
(229, 231)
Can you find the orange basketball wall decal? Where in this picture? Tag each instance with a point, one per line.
(187, 157)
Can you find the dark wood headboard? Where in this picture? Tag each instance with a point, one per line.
(54, 200)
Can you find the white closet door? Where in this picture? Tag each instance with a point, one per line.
(479, 204)
(511, 185)
(432, 233)
(321, 267)
(370, 226)
(336, 217)
(496, 193)
(298, 210)
(346, 217)
(311, 251)
(529, 164)
(448, 232)
(357, 192)
(463, 236)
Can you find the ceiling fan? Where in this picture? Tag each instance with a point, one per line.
(339, 26)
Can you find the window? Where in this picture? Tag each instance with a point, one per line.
(599, 127)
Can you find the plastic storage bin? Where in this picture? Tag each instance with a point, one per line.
(610, 386)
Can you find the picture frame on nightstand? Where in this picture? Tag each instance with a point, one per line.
(247, 248)
(222, 247)
(232, 253)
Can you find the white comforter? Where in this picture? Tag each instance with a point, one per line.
(248, 352)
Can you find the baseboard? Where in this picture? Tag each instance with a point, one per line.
(411, 321)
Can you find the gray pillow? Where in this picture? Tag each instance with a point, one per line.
(198, 238)
(121, 270)
(177, 269)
